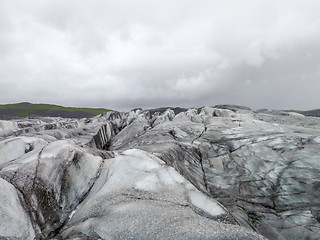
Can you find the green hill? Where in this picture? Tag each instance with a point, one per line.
(25, 109)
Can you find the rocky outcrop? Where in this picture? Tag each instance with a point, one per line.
(211, 173)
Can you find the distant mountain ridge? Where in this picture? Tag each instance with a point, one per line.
(312, 113)
(26, 109)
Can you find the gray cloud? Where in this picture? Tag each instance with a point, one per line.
(123, 54)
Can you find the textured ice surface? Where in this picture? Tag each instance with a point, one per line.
(195, 175)
(139, 197)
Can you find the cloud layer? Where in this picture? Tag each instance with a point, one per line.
(123, 54)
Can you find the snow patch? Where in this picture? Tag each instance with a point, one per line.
(149, 183)
(140, 160)
(316, 139)
(205, 203)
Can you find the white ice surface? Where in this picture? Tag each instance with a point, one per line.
(203, 202)
(14, 221)
(11, 149)
(14, 148)
(7, 127)
(316, 139)
(137, 169)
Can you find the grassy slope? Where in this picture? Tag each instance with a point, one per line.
(28, 109)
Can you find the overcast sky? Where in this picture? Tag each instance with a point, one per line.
(123, 54)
